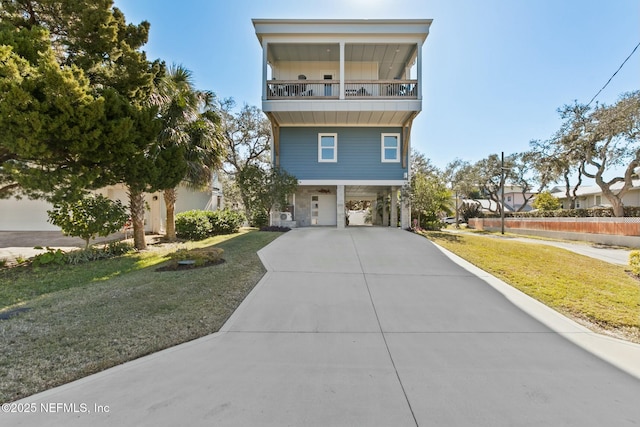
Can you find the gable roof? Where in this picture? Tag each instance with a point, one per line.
(591, 190)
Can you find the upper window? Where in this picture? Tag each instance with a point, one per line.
(328, 147)
(390, 147)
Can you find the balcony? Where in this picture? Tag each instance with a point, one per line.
(341, 72)
(330, 89)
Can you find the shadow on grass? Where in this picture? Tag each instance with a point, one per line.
(23, 283)
(441, 235)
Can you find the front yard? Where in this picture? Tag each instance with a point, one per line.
(602, 296)
(82, 319)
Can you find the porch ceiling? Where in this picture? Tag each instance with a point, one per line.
(363, 192)
(341, 118)
(392, 59)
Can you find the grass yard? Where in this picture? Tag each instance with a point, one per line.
(598, 294)
(85, 318)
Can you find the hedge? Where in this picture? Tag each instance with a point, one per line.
(629, 211)
(198, 224)
(634, 262)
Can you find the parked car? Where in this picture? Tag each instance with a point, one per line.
(452, 220)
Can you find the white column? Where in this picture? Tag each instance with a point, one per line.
(419, 70)
(405, 213)
(265, 47)
(385, 210)
(340, 206)
(341, 70)
(394, 207)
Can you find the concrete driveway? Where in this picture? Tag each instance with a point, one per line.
(365, 327)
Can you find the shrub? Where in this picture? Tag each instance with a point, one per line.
(470, 210)
(546, 202)
(89, 217)
(634, 262)
(198, 224)
(259, 218)
(201, 256)
(630, 211)
(225, 221)
(55, 257)
(193, 225)
(110, 250)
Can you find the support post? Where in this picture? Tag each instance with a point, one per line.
(385, 210)
(394, 207)
(340, 207)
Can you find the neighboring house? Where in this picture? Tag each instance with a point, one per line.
(487, 206)
(341, 96)
(589, 196)
(31, 215)
(514, 199)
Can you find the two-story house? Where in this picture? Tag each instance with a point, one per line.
(341, 96)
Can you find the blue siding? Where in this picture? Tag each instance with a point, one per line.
(358, 154)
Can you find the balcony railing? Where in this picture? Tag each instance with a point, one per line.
(353, 89)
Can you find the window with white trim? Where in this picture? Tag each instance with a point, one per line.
(328, 147)
(390, 148)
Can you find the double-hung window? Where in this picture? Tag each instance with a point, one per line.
(390, 148)
(328, 147)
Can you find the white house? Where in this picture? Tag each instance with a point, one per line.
(589, 196)
(31, 215)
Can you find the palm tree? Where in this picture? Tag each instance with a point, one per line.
(189, 121)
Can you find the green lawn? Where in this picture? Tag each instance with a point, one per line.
(601, 295)
(89, 317)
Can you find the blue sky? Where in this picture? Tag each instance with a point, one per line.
(494, 71)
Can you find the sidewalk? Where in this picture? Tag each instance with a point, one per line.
(612, 255)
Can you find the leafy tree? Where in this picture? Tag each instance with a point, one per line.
(470, 210)
(52, 129)
(458, 173)
(522, 174)
(430, 199)
(78, 113)
(592, 142)
(608, 137)
(231, 191)
(488, 177)
(265, 189)
(554, 162)
(188, 121)
(89, 217)
(246, 134)
(544, 201)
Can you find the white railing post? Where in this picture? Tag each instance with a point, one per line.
(265, 46)
(341, 70)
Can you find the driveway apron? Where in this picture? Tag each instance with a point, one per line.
(360, 327)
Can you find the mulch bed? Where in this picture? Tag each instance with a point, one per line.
(181, 267)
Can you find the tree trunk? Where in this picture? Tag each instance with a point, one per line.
(170, 197)
(136, 206)
(618, 209)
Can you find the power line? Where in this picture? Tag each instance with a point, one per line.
(614, 74)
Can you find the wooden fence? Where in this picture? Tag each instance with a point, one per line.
(619, 231)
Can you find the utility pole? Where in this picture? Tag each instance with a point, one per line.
(502, 194)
